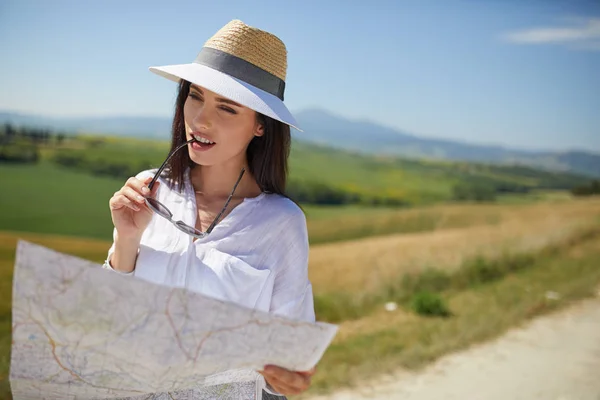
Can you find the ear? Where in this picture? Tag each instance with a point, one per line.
(259, 130)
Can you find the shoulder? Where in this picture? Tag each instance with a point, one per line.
(282, 209)
(281, 221)
(284, 229)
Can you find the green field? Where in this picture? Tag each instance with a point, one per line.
(412, 182)
(46, 198)
(417, 181)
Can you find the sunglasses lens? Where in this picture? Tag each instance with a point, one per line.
(158, 208)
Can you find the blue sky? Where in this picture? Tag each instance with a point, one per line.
(523, 74)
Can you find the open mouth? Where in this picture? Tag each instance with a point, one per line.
(201, 143)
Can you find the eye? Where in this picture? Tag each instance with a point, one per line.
(195, 96)
(229, 110)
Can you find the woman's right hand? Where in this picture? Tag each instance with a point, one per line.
(128, 210)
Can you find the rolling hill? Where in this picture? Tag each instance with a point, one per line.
(326, 128)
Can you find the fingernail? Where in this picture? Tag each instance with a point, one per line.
(145, 190)
(140, 198)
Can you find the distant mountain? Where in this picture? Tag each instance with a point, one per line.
(320, 126)
(334, 131)
(325, 128)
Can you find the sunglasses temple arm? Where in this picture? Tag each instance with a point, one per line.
(210, 228)
(164, 164)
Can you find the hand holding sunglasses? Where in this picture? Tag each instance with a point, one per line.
(131, 218)
(129, 213)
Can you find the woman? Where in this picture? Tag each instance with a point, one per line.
(239, 238)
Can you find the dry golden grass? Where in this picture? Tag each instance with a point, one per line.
(366, 264)
(382, 341)
(354, 222)
(360, 223)
(90, 249)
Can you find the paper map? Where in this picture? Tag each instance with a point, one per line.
(84, 332)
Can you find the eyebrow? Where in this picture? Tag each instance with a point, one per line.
(219, 99)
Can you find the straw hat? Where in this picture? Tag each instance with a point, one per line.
(241, 63)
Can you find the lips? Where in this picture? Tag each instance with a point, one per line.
(201, 146)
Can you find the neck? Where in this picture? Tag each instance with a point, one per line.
(217, 181)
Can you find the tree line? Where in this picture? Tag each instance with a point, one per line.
(593, 188)
(20, 144)
(9, 133)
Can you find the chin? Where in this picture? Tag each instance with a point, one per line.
(200, 160)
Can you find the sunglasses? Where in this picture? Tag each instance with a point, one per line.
(164, 212)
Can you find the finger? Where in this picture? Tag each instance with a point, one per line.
(114, 204)
(119, 201)
(287, 377)
(283, 388)
(138, 185)
(280, 386)
(148, 180)
(132, 195)
(123, 201)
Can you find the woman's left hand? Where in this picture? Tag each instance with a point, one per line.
(287, 382)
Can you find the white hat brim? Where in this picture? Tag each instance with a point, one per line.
(231, 88)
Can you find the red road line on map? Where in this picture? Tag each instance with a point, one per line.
(199, 348)
(53, 344)
(177, 337)
(73, 374)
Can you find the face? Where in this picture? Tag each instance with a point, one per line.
(227, 124)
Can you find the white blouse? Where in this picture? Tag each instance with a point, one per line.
(256, 256)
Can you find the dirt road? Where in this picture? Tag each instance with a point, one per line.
(555, 357)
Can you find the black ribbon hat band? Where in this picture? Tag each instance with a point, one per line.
(241, 69)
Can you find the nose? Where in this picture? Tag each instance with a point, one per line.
(202, 118)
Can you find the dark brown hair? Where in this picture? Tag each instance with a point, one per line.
(267, 155)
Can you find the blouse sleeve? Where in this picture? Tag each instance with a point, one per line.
(292, 291)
